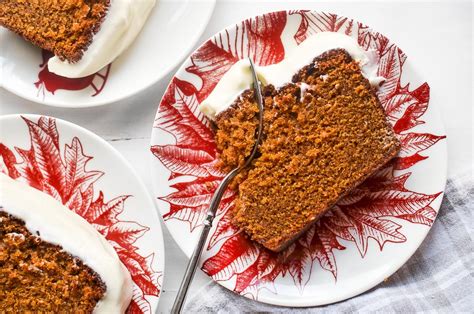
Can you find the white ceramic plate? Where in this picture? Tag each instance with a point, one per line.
(168, 36)
(365, 238)
(103, 178)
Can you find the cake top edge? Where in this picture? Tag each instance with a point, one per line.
(239, 77)
(121, 25)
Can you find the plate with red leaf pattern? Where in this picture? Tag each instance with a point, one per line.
(24, 69)
(365, 238)
(89, 176)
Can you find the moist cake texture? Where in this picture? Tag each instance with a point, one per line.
(64, 27)
(324, 133)
(39, 276)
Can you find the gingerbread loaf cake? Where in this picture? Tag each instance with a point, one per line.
(52, 260)
(324, 133)
(64, 27)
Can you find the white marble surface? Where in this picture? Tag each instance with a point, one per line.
(437, 37)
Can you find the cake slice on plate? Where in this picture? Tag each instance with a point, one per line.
(325, 132)
(84, 35)
(52, 260)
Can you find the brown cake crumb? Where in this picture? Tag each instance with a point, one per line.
(40, 277)
(317, 146)
(64, 27)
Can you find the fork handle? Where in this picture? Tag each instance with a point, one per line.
(192, 264)
(191, 268)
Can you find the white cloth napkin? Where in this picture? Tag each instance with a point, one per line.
(438, 277)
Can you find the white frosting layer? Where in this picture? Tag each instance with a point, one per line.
(123, 22)
(58, 225)
(238, 77)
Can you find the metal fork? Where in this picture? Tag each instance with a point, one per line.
(215, 201)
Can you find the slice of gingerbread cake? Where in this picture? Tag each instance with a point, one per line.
(324, 133)
(64, 27)
(83, 35)
(52, 260)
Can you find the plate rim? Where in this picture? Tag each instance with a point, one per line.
(141, 186)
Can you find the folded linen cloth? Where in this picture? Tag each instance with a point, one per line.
(438, 277)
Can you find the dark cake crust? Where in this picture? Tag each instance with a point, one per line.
(316, 148)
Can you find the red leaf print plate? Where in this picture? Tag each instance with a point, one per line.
(90, 177)
(365, 238)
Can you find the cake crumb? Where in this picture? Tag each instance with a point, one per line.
(36, 275)
(315, 148)
(63, 27)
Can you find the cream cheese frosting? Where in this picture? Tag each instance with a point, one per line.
(58, 225)
(123, 22)
(238, 78)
